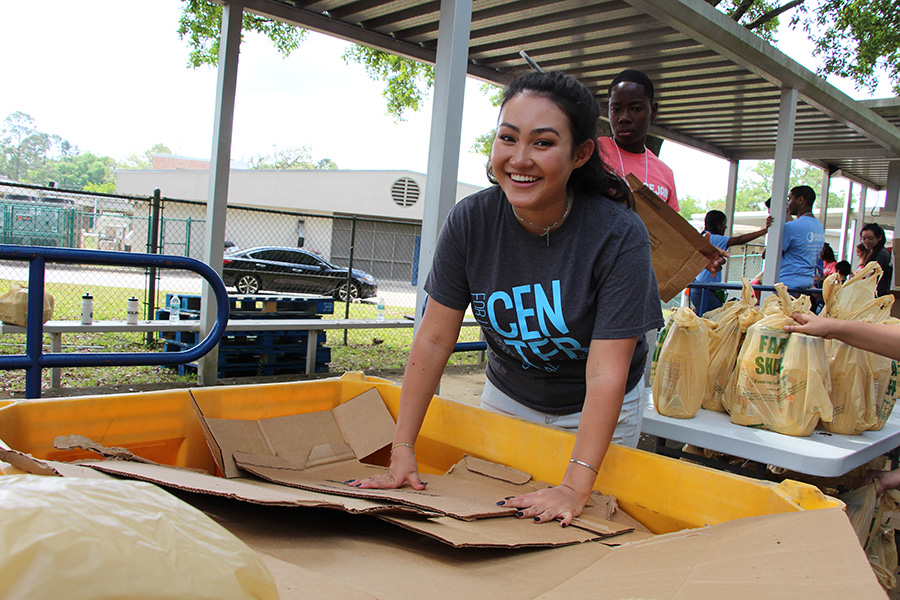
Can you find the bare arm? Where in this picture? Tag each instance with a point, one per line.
(740, 240)
(607, 374)
(431, 347)
(875, 337)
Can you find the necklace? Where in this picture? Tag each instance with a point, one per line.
(548, 228)
(622, 163)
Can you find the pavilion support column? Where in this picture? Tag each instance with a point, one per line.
(446, 131)
(784, 150)
(220, 165)
(730, 199)
(823, 198)
(860, 215)
(845, 253)
(892, 199)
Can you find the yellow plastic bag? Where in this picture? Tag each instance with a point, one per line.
(783, 381)
(858, 378)
(847, 299)
(14, 306)
(885, 384)
(682, 371)
(99, 539)
(724, 344)
(861, 504)
(880, 546)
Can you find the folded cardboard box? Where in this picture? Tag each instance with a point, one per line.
(678, 250)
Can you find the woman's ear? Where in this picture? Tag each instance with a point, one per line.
(583, 152)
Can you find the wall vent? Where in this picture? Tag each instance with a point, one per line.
(405, 191)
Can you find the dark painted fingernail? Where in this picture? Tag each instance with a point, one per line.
(519, 513)
(349, 481)
(565, 524)
(537, 519)
(501, 503)
(509, 497)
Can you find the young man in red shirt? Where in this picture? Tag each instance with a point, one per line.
(631, 109)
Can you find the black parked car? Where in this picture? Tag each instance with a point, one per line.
(293, 270)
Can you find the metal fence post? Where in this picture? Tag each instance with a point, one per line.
(349, 274)
(153, 248)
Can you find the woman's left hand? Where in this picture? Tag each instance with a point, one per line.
(560, 503)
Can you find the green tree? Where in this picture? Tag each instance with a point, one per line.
(853, 38)
(145, 159)
(755, 186)
(406, 81)
(23, 147)
(689, 206)
(76, 171)
(290, 158)
(200, 23)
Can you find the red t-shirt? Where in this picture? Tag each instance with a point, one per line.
(647, 167)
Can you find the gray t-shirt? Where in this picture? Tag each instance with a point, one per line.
(540, 306)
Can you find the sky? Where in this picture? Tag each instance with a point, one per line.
(111, 77)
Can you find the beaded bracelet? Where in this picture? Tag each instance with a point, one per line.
(584, 464)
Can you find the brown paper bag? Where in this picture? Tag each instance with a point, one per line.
(678, 250)
(14, 306)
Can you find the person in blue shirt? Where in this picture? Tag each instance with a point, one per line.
(803, 240)
(716, 223)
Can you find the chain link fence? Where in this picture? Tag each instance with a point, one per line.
(273, 253)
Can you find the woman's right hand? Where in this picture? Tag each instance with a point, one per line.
(404, 471)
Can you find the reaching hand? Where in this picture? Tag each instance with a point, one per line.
(404, 470)
(560, 503)
(811, 324)
(887, 480)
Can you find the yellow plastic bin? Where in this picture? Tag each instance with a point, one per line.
(666, 495)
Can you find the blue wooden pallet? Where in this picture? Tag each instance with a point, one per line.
(262, 340)
(257, 355)
(259, 306)
(255, 371)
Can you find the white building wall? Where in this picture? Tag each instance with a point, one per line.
(349, 192)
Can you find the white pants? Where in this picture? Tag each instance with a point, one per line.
(628, 426)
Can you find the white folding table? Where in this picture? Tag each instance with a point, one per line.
(822, 454)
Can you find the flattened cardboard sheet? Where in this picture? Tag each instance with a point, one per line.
(444, 495)
(51, 468)
(244, 489)
(809, 554)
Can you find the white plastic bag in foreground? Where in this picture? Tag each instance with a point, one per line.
(99, 539)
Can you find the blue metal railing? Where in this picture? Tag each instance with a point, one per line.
(706, 287)
(34, 360)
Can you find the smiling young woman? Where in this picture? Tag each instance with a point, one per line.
(556, 267)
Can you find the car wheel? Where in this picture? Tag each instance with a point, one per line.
(247, 284)
(341, 293)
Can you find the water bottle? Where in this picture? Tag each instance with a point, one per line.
(175, 308)
(131, 311)
(379, 309)
(87, 309)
